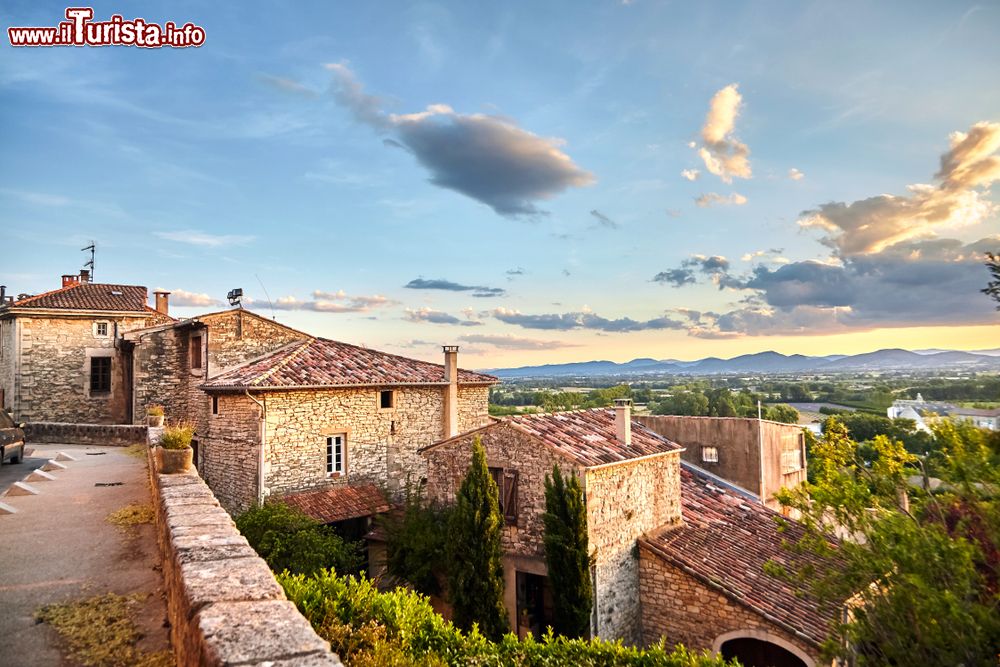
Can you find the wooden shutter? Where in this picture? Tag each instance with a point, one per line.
(509, 505)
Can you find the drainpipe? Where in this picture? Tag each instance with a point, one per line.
(263, 443)
(760, 453)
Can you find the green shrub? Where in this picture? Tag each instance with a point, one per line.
(416, 542)
(367, 627)
(177, 437)
(289, 540)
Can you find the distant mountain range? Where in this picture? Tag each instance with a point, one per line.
(768, 362)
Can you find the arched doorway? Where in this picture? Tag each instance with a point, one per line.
(758, 648)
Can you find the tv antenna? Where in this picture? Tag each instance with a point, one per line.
(270, 305)
(93, 253)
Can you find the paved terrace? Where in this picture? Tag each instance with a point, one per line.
(58, 546)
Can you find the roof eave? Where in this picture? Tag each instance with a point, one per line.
(320, 387)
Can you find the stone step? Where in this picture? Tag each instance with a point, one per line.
(6, 509)
(21, 489)
(40, 476)
(63, 456)
(53, 465)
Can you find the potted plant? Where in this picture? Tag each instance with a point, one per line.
(175, 449)
(154, 416)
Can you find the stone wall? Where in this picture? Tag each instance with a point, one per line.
(738, 441)
(682, 609)
(224, 605)
(8, 332)
(102, 435)
(163, 374)
(624, 501)
(236, 336)
(54, 369)
(228, 452)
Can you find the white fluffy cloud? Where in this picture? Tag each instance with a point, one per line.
(690, 174)
(723, 154)
(795, 174)
(180, 297)
(714, 199)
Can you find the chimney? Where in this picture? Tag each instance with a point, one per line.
(451, 393)
(623, 420)
(162, 302)
(70, 279)
(3, 294)
(84, 275)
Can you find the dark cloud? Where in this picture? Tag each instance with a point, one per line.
(449, 286)
(487, 158)
(437, 317)
(675, 277)
(714, 266)
(515, 272)
(603, 220)
(582, 320)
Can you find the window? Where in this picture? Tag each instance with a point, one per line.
(100, 329)
(100, 375)
(335, 454)
(506, 481)
(386, 399)
(791, 461)
(710, 454)
(195, 352)
(215, 405)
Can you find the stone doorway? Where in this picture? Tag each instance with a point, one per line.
(534, 604)
(759, 653)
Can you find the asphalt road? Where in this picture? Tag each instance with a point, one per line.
(15, 472)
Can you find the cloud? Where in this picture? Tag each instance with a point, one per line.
(675, 277)
(198, 238)
(713, 198)
(507, 342)
(604, 220)
(487, 158)
(515, 272)
(795, 174)
(582, 320)
(437, 317)
(714, 266)
(691, 174)
(723, 154)
(287, 85)
(180, 297)
(959, 200)
(449, 286)
(325, 302)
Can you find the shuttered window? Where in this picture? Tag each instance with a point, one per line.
(506, 481)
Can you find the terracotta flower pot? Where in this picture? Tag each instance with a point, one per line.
(175, 460)
(156, 421)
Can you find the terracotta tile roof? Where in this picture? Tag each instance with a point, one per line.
(90, 296)
(725, 541)
(317, 363)
(589, 436)
(339, 504)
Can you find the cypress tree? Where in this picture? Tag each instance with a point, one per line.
(567, 554)
(476, 574)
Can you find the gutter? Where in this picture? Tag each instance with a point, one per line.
(263, 443)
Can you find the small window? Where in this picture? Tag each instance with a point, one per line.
(386, 399)
(215, 405)
(335, 454)
(710, 454)
(506, 481)
(195, 352)
(100, 329)
(100, 374)
(791, 461)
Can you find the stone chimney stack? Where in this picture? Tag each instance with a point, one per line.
(623, 420)
(68, 280)
(451, 391)
(162, 302)
(84, 275)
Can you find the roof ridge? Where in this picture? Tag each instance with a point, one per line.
(398, 356)
(283, 362)
(64, 288)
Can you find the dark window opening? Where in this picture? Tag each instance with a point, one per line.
(195, 352)
(386, 399)
(215, 405)
(535, 608)
(100, 374)
(759, 653)
(506, 481)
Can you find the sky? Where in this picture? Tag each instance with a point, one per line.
(535, 182)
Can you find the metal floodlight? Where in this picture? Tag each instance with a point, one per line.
(234, 296)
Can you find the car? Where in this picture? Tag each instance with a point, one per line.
(11, 439)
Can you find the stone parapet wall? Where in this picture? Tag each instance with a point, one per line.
(102, 435)
(223, 603)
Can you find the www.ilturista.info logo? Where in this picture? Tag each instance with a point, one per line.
(80, 30)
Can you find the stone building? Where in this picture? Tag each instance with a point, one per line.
(758, 455)
(629, 475)
(678, 551)
(318, 416)
(61, 352)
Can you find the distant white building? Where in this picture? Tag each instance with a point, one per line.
(917, 409)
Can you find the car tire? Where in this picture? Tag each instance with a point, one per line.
(19, 457)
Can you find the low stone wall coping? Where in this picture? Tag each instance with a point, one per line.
(224, 604)
(102, 435)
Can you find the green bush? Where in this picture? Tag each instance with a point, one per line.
(416, 542)
(177, 437)
(367, 627)
(289, 540)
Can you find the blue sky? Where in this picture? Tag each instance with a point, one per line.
(295, 149)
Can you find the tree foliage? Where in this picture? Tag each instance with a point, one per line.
(289, 540)
(919, 569)
(992, 288)
(475, 578)
(416, 542)
(567, 554)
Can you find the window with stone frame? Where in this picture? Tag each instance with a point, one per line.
(336, 454)
(215, 405)
(386, 399)
(195, 352)
(101, 329)
(506, 481)
(710, 454)
(100, 375)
